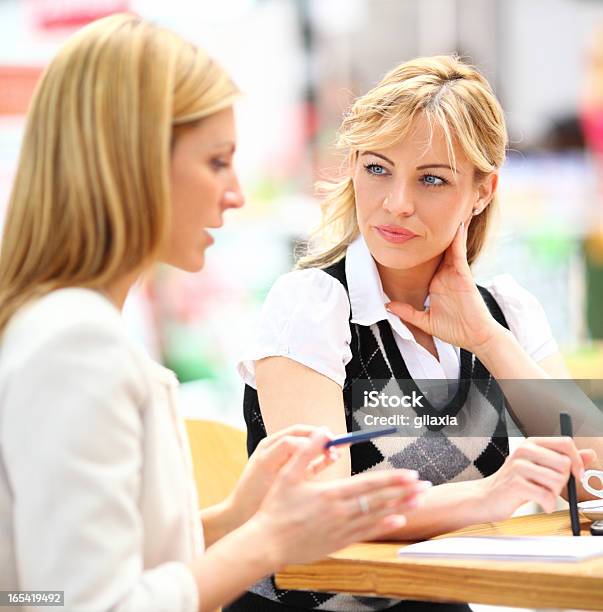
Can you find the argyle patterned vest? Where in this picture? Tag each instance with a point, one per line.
(437, 455)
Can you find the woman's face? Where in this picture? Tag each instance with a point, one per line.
(409, 202)
(204, 185)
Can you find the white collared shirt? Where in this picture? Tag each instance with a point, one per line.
(97, 496)
(306, 313)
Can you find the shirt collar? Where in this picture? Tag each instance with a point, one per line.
(367, 298)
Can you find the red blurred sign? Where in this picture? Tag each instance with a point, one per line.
(16, 88)
(58, 14)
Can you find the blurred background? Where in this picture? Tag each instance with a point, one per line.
(299, 64)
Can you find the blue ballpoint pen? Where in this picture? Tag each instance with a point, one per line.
(361, 436)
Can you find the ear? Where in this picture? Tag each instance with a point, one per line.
(486, 191)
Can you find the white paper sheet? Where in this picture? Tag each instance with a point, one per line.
(500, 548)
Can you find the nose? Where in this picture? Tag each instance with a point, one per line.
(400, 201)
(233, 197)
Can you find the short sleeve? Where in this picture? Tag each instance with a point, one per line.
(72, 441)
(306, 318)
(525, 315)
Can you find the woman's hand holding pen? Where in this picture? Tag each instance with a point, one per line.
(457, 313)
(538, 470)
(271, 454)
(270, 463)
(302, 519)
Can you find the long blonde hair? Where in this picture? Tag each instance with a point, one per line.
(91, 197)
(452, 94)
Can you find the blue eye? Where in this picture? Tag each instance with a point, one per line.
(431, 180)
(375, 169)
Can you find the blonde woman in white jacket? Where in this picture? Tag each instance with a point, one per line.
(126, 160)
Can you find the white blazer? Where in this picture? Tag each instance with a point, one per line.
(97, 497)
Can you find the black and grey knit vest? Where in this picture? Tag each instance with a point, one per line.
(433, 450)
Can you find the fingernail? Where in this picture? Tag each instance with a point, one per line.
(425, 484)
(387, 307)
(334, 455)
(412, 474)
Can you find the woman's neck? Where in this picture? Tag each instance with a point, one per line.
(410, 286)
(117, 291)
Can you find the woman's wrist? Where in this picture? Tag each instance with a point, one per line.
(231, 518)
(237, 561)
(219, 520)
(262, 535)
(488, 349)
(482, 496)
(474, 502)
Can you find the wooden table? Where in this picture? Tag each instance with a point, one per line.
(375, 569)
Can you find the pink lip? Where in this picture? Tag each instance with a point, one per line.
(395, 233)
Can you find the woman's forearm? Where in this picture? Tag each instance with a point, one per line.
(504, 358)
(444, 508)
(217, 521)
(238, 560)
(509, 363)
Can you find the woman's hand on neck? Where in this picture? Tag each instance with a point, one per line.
(457, 313)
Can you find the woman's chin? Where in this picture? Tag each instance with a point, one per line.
(396, 258)
(192, 264)
(196, 264)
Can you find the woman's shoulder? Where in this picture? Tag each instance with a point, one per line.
(310, 287)
(317, 278)
(525, 315)
(61, 310)
(510, 295)
(305, 317)
(66, 320)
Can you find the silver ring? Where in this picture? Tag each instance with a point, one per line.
(363, 503)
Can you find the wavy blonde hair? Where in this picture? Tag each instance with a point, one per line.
(453, 95)
(91, 197)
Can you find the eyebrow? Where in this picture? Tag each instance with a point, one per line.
(227, 143)
(422, 167)
(389, 161)
(425, 166)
